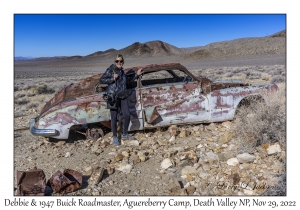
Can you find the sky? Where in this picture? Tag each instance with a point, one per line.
(48, 35)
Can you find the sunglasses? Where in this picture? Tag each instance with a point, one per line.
(119, 61)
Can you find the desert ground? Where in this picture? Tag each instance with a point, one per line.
(202, 159)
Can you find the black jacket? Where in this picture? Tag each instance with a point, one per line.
(117, 87)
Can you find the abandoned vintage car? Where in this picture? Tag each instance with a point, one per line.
(166, 94)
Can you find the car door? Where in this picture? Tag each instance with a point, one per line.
(167, 99)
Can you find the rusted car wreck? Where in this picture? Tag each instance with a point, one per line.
(166, 94)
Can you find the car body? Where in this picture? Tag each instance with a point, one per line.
(166, 94)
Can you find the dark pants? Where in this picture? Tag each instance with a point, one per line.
(124, 108)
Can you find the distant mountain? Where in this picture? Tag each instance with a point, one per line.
(18, 58)
(273, 44)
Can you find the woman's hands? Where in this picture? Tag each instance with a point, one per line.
(139, 72)
(116, 76)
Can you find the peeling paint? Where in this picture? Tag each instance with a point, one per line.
(158, 103)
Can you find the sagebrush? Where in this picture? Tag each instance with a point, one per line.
(262, 121)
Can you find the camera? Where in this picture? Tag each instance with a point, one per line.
(109, 97)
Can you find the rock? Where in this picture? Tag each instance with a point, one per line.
(233, 162)
(125, 154)
(188, 170)
(172, 139)
(167, 135)
(133, 143)
(190, 190)
(187, 153)
(224, 156)
(166, 163)
(245, 158)
(96, 176)
(143, 158)
(173, 129)
(162, 142)
(212, 157)
(118, 158)
(210, 127)
(271, 149)
(226, 124)
(184, 133)
(68, 154)
(60, 143)
(183, 163)
(135, 159)
(89, 170)
(124, 167)
(189, 177)
(232, 147)
(174, 185)
(171, 152)
(110, 169)
(226, 137)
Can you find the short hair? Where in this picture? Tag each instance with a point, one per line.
(120, 56)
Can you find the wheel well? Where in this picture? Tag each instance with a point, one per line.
(249, 102)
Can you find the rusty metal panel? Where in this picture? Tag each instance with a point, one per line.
(32, 182)
(65, 182)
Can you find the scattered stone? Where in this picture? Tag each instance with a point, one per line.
(96, 175)
(188, 170)
(226, 124)
(110, 169)
(224, 156)
(271, 149)
(68, 154)
(233, 162)
(143, 158)
(135, 159)
(125, 154)
(118, 158)
(245, 158)
(133, 143)
(89, 170)
(173, 129)
(124, 167)
(226, 137)
(60, 143)
(210, 127)
(166, 163)
(172, 139)
(190, 190)
(184, 133)
(187, 153)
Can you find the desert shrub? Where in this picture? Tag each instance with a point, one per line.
(30, 94)
(277, 186)
(32, 105)
(256, 74)
(261, 121)
(265, 76)
(20, 95)
(275, 72)
(230, 75)
(22, 102)
(16, 88)
(278, 79)
(44, 89)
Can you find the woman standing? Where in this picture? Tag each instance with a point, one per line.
(116, 79)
